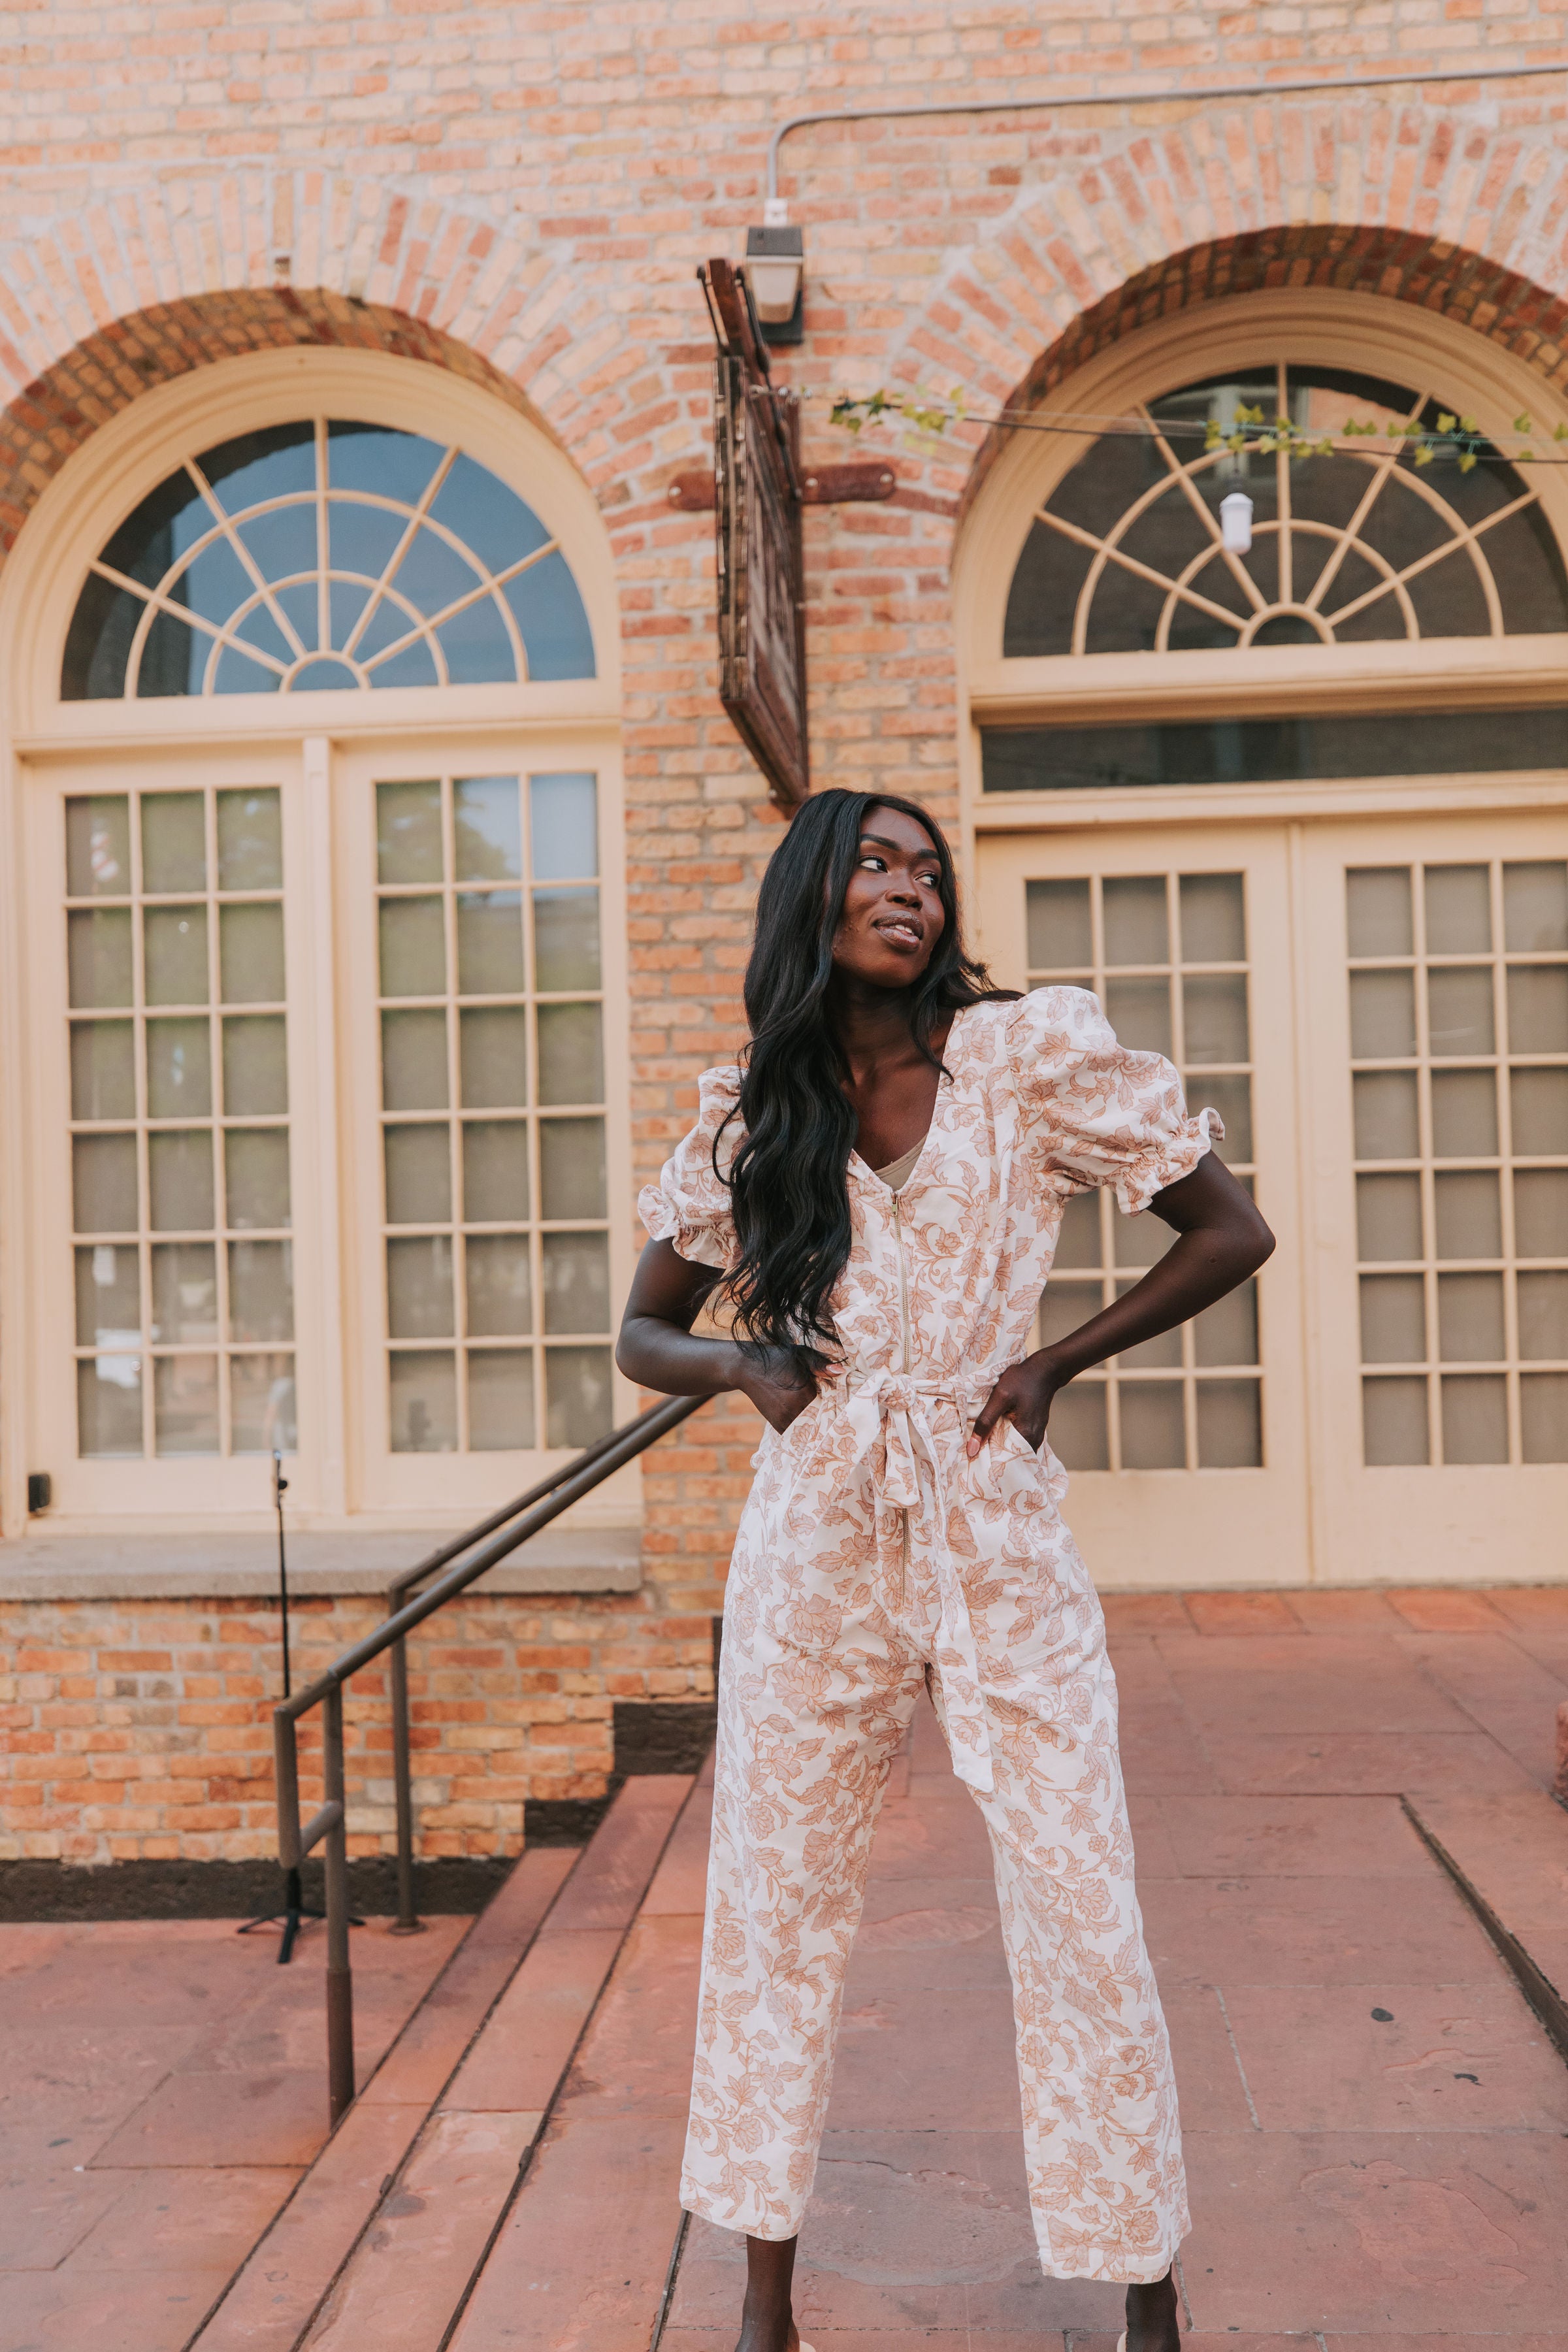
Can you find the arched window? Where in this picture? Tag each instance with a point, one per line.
(1126, 553)
(319, 949)
(321, 554)
(1293, 809)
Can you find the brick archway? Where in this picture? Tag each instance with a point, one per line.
(1469, 288)
(45, 423)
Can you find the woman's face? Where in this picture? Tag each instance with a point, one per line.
(893, 914)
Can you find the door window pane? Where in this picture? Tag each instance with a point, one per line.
(418, 1175)
(1153, 1436)
(1538, 1008)
(1464, 1114)
(1458, 909)
(175, 948)
(175, 841)
(1059, 935)
(1543, 1316)
(1475, 1418)
(424, 1400)
(1543, 1414)
(500, 1400)
(1383, 1015)
(1230, 1427)
(99, 956)
(1077, 1433)
(461, 917)
(103, 1070)
(1459, 1010)
(1387, 1114)
(578, 1395)
(1535, 905)
(1393, 1318)
(564, 831)
(1393, 1423)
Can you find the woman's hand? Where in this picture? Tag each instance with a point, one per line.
(1024, 1395)
(774, 1382)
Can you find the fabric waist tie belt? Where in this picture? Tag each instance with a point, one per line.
(892, 1408)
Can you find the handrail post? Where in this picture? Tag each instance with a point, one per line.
(408, 1922)
(340, 1981)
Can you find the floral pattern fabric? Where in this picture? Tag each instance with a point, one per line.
(874, 1558)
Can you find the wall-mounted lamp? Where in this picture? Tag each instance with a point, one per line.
(1236, 524)
(775, 272)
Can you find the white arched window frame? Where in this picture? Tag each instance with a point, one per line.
(1439, 1448)
(1304, 329)
(324, 754)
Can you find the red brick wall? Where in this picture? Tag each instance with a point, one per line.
(143, 1730)
(523, 191)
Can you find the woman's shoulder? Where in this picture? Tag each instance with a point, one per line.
(718, 1091)
(1050, 1025)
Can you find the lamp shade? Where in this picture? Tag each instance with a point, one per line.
(775, 264)
(1235, 522)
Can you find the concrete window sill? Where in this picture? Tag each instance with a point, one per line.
(200, 1566)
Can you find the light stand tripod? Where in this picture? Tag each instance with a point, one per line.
(296, 1912)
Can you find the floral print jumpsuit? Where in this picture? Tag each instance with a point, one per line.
(873, 1557)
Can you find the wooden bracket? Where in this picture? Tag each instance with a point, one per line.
(823, 486)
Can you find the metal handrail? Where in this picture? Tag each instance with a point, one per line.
(530, 1512)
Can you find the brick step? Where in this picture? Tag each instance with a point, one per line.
(382, 2236)
(1507, 1852)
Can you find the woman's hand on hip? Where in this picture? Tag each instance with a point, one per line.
(1024, 1395)
(774, 1382)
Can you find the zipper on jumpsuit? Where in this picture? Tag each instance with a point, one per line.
(904, 1330)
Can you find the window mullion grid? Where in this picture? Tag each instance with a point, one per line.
(220, 1156)
(143, 1148)
(1420, 970)
(323, 590)
(533, 1137)
(459, 1276)
(1502, 1095)
(1176, 953)
(1284, 558)
(1104, 1211)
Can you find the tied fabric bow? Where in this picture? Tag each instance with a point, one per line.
(891, 1406)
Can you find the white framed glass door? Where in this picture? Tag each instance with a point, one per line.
(488, 1113)
(1437, 1028)
(1187, 1457)
(174, 1339)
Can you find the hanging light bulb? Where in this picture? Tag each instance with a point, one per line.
(1236, 524)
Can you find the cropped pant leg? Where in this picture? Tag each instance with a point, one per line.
(817, 1688)
(1102, 2134)
(807, 1732)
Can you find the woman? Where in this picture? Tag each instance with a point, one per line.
(875, 1194)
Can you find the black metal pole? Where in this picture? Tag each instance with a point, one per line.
(339, 1982)
(279, 1488)
(294, 1914)
(408, 1922)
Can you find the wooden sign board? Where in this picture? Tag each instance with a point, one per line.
(761, 583)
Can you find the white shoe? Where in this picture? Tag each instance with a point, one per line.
(1120, 2343)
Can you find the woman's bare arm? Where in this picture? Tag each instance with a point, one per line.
(656, 1347)
(1221, 1240)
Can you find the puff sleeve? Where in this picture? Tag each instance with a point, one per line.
(689, 1205)
(1096, 1111)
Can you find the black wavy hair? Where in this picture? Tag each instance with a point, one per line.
(789, 1194)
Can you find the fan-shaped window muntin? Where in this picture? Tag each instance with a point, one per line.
(323, 554)
(1127, 553)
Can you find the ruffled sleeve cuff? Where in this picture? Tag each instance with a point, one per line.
(1099, 1112)
(689, 1205)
